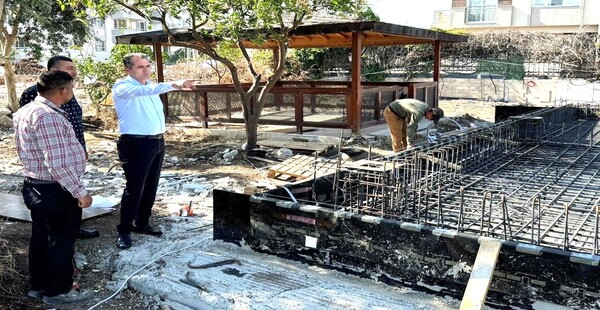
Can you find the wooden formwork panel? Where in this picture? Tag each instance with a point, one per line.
(302, 167)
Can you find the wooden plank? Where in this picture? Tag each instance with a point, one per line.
(293, 145)
(301, 167)
(481, 275)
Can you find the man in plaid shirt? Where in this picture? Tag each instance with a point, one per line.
(53, 163)
(74, 115)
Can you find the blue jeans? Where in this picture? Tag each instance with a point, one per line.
(56, 217)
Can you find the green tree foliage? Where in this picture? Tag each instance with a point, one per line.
(99, 76)
(228, 22)
(37, 25)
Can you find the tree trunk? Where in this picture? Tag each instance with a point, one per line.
(252, 131)
(10, 83)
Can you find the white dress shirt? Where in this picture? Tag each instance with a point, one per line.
(139, 108)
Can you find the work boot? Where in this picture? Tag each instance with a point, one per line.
(124, 241)
(87, 233)
(72, 296)
(147, 230)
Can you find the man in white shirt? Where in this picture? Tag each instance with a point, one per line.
(141, 144)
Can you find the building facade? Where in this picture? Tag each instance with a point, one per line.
(556, 16)
(120, 23)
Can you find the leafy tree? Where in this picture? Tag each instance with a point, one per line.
(229, 21)
(36, 24)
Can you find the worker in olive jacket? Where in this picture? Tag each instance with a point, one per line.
(403, 116)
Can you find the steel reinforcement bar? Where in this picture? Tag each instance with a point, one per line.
(532, 178)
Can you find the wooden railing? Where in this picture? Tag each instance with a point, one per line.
(322, 104)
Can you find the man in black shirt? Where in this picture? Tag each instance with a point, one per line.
(74, 115)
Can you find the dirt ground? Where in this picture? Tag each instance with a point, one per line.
(186, 156)
(14, 235)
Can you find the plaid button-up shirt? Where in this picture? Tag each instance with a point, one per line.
(48, 147)
(72, 107)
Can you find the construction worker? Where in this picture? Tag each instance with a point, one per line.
(403, 116)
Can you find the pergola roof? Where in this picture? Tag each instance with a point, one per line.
(321, 35)
(353, 35)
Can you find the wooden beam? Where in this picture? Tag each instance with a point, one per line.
(299, 111)
(342, 35)
(160, 75)
(481, 275)
(437, 60)
(355, 104)
(323, 36)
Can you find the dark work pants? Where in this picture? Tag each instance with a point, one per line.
(56, 216)
(141, 159)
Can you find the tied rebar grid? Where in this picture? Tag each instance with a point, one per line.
(532, 178)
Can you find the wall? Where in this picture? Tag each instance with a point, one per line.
(523, 16)
(527, 92)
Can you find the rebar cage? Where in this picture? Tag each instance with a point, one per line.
(531, 178)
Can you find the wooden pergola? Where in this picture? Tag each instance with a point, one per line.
(353, 35)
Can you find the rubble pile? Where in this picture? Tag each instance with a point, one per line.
(28, 66)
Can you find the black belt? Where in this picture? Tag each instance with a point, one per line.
(38, 181)
(156, 137)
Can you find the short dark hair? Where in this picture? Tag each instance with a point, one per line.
(127, 59)
(51, 81)
(53, 61)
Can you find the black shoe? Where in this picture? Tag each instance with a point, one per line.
(72, 296)
(124, 241)
(147, 230)
(87, 233)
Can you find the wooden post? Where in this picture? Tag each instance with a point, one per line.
(299, 111)
(203, 102)
(160, 76)
(313, 100)
(355, 104)
(411, 91)
(437, 62)
(377, 107)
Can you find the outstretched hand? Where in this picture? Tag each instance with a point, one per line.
(183, 84)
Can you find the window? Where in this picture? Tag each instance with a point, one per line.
(556, 2)
(98, 23)
(140, 26)
(100, 45)
(481, 11)
(20, 44)
(120, 24)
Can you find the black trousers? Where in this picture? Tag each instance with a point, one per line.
(141, 159)
(56, 217)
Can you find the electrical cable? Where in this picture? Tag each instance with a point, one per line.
(142, 268)
(264, 176)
